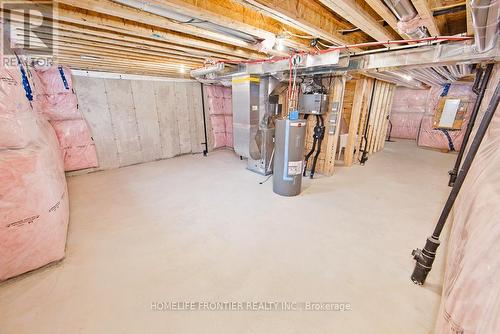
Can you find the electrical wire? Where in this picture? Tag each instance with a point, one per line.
(267, 179)
(298, 36)
(325, 45)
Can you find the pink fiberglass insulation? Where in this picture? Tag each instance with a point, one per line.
(18, 127)
(228, 120)
(57, 107)
(470, 300)
(219, 105)
(435, 138)
(56, 101)
(408, 108)
(12, 95)
(33, 205)
(76, 143)
(53, 80)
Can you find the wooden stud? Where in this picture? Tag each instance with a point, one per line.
(373, 113)
(379, 117)
(381, 142)
(353, 137)
(332, 130)
(363, 117)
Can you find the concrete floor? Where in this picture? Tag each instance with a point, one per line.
(203, 229)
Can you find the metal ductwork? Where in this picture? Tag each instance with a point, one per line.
(406, 13)
(162, 11)
(199, 72)
(485, 21)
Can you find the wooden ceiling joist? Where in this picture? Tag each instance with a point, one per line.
(117, 68)
(424, 10)
(115, 9)
(307, 16)
(127, 27)
(63, 29)
(385, 13)
(353, 13)
(232, 15)
(89, 40)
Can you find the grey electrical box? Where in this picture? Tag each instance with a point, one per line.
(313, 103)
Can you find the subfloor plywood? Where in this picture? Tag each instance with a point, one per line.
(203, 229)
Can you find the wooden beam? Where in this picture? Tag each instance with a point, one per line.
(110, 37)
(181, 41)
(424, 10)
(232, 15)
(470, 28)
(106, 44)
(364, 117)
(78, 65)
(307, 16)
(387, 15)
(381, 117)
(83, 21)
(353, 13)
(359, 94)
(381, 143)
(114, 9)
(332, 123)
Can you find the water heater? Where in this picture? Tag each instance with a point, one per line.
(289, 156)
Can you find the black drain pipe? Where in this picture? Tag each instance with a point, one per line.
(364, 156)
(479, 88)
(425, 257)
(390, 131)
(205, 151)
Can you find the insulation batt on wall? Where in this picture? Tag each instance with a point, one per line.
(470, 302)
(219, 107)
(134, 121)
(55, 100)
(434, 138)
(408, 109)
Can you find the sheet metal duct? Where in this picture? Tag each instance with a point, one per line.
(398, 77)
(454, 70)
(207, 70)
(444, 73)
(465, 69)
(246, 107)
(419, 77)
(485, 21)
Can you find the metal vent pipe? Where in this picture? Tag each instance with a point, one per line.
(485, 22)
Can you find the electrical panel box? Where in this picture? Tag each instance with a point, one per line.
(315, 104)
